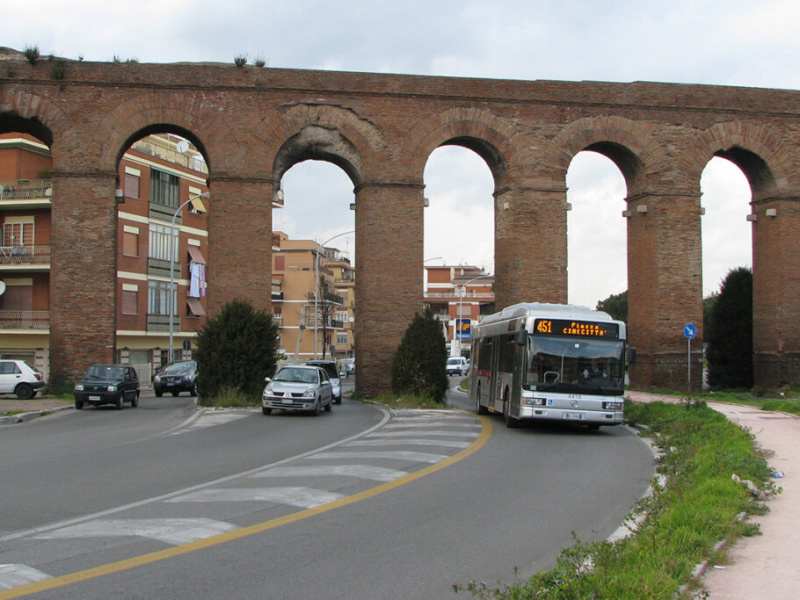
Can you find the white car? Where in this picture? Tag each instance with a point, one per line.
(298, 388)
(457, 365)
(18, 377)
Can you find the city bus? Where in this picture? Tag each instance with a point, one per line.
(549, 362)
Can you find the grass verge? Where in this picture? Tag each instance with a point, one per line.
(679, 525)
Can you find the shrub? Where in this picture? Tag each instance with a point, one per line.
(419, 365)
(236, 350)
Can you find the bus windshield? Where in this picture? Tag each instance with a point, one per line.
(586, 366)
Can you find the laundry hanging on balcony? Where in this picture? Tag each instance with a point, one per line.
(197, 280)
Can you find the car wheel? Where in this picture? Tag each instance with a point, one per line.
(118, 402)
(266, 411)
(338, 400)
(24, 391)
(135, 400)
(158, 393)
(78, 404)
(317, 407)
(193, 391)
(329, 406)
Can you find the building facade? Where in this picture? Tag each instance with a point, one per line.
(158, 175)
(312, 299)
(459, 296)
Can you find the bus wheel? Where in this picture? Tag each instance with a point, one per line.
(479, 408)
(510, 421)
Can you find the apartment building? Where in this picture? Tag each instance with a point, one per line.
(459, 296)
(162, 178)
(312, 299)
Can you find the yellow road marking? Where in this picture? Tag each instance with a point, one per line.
(130, 563)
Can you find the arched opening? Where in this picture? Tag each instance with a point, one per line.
(727, 234)
(313, 260)
(26, 195)
(163, 202)
(459, 238)
(596, 232)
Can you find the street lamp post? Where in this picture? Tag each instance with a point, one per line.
(459, 315)
(316, 288)
(172, 253)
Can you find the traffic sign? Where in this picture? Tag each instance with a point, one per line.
(690, 331)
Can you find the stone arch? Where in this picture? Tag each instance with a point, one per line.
(171, 113)
(757, 150)
(628, 144)
(481, 131)
(330, 133)
(24, 111)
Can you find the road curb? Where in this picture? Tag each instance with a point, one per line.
(22, 417)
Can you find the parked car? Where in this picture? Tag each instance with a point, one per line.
(18, 377)
(333, 373)
(176, 377)
(457, 365)
(298, 388)
(349, 366)
(108, 384)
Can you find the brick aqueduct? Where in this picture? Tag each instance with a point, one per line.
(253, 124)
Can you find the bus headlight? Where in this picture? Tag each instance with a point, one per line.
(613, 405)
(531, 401)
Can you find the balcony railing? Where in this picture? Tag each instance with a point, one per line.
(327, 297)
(322, 323)
(477, 295)
(24, 255)
(26, 189)
(24, 319)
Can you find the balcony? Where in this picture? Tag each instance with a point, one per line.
(25, 256)
(25, 319)
(327, 297)
(32, 193)
(322, 322)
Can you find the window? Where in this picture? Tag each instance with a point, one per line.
(158, 298)
(277, 312)
(130, 241)
(132, 185)
(341, 315)
(341, 339)
(130, 302)
(18, 295)
(164, 188)
(161, 241)
(280, 263)
(18, 231)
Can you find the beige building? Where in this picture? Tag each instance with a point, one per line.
(312, 299)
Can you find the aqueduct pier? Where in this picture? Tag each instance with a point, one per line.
(253, 124)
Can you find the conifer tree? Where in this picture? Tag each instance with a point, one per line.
(730, 335)
(419, 365)
(236, 349)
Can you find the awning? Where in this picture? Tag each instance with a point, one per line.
(196, 255)
(195, 307)
(197, 204)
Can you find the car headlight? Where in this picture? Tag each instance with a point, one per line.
(268, 389)
(112, 388)
(157, 379)
(310, 393)
(78, 387)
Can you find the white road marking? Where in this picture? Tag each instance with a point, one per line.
(409, 442)
(397, 434)
(211, 420)
(301, 497)
(361, 471)
(392, 455)
(12, 576)
(169, 531)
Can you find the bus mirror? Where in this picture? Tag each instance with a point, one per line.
(522, 337)
(631, 355)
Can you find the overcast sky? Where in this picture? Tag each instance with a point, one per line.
(719, 42)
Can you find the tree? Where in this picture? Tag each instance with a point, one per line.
(615, 305)
(730, 334)
(236, 349)
(420, 363)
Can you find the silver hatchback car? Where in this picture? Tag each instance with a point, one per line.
(298, 388)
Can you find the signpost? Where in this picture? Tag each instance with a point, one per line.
(689, 331)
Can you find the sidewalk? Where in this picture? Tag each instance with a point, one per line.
(766, 566)
(25, 410)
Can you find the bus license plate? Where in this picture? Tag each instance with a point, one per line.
(574, 416)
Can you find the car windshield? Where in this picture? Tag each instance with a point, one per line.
(329, 367)
(297, 376)
(104, 373)
(453, 361)
(186, 365)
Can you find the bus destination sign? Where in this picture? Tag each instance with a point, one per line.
(569, 328)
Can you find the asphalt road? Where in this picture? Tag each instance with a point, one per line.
(163, 502)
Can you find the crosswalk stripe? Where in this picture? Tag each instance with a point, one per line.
(302, 497)
(396, 434)
(409, 442)
(361, 471)
(169, 531)
(403, 455)
(211, 420)
(12, 576)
